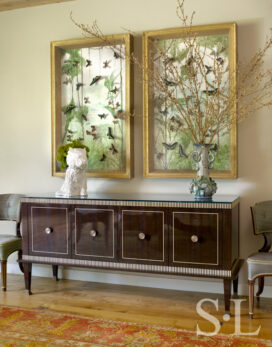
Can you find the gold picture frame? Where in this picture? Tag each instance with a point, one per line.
(92, 100)
(226, 166)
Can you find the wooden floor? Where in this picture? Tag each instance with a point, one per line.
(169, 308)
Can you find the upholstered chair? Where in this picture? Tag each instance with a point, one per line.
(9, 211)
(260, 264)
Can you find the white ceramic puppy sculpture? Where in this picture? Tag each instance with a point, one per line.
(75, 183)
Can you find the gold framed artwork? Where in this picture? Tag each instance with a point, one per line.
(92, 101)
(167, 150)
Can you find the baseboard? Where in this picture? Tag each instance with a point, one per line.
(203, 285)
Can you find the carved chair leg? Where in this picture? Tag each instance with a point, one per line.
(251, 297)
(55, 271)
(21, 266)
(260, 287)
(4, 275)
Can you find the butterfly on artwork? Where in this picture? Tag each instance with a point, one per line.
(113, 149)
(109, 133)
(95, 80)
(169, 146)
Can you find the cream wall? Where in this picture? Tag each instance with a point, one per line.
(25, 129)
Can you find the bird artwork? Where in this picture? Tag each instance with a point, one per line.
(181, 152)
(113, 149)
(80, 139)
(70, 131)
(109, 133)
(95, 80)
(88, 62)
(106, 64)
(79, 85)
(169, 146)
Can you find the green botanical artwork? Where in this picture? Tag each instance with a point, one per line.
(93, 103)
(172, 148)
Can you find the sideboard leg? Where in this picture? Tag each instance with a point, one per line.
(55, 271)
(4, 274)
(235, 286)
(27, 274)
(227, 294)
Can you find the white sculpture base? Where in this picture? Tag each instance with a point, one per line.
(75, 182)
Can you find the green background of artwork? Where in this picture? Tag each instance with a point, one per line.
(165, 159)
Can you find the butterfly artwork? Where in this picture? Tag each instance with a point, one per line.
(210, 91)
(115, 90)
(79, 85)
(67, 81)
(165, 111)
(88, 62)
(181, 152)
(220, 60)
(169, 60)
(86, 100)
(159, 156)
(115, 121)
(69, 108)
(88, 132)
(170, 147)
(113, 149)
(95, 80)
(70, 131)
(103, 158)
(116, 55)
(208, 69)
(93, 127)
(102, 116)
(109, 133)
(120, 115)
(170, 83)
(80, 138)
(84, 117)
(106, 64)
(69, 138)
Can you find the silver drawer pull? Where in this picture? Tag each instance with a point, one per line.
(194, 238)
(48, 230)
(93, 233)
(141, 236)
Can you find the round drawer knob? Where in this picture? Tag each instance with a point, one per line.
(48, 230)
(141, 236)
(194, 238)
(93, 233)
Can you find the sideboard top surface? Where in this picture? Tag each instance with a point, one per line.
(136, 199)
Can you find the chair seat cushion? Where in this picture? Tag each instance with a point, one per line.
(8, 245)
(259, 264)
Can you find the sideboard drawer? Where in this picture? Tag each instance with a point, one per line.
(143, 237)
(94, 233)
(49, 231)
(194, 238)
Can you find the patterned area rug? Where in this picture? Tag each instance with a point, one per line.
(34, 328)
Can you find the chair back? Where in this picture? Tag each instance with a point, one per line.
(262, 217)
(10, 207)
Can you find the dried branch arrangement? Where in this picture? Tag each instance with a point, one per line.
(197, 83)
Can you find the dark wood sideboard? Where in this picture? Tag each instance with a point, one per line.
(154, 234)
